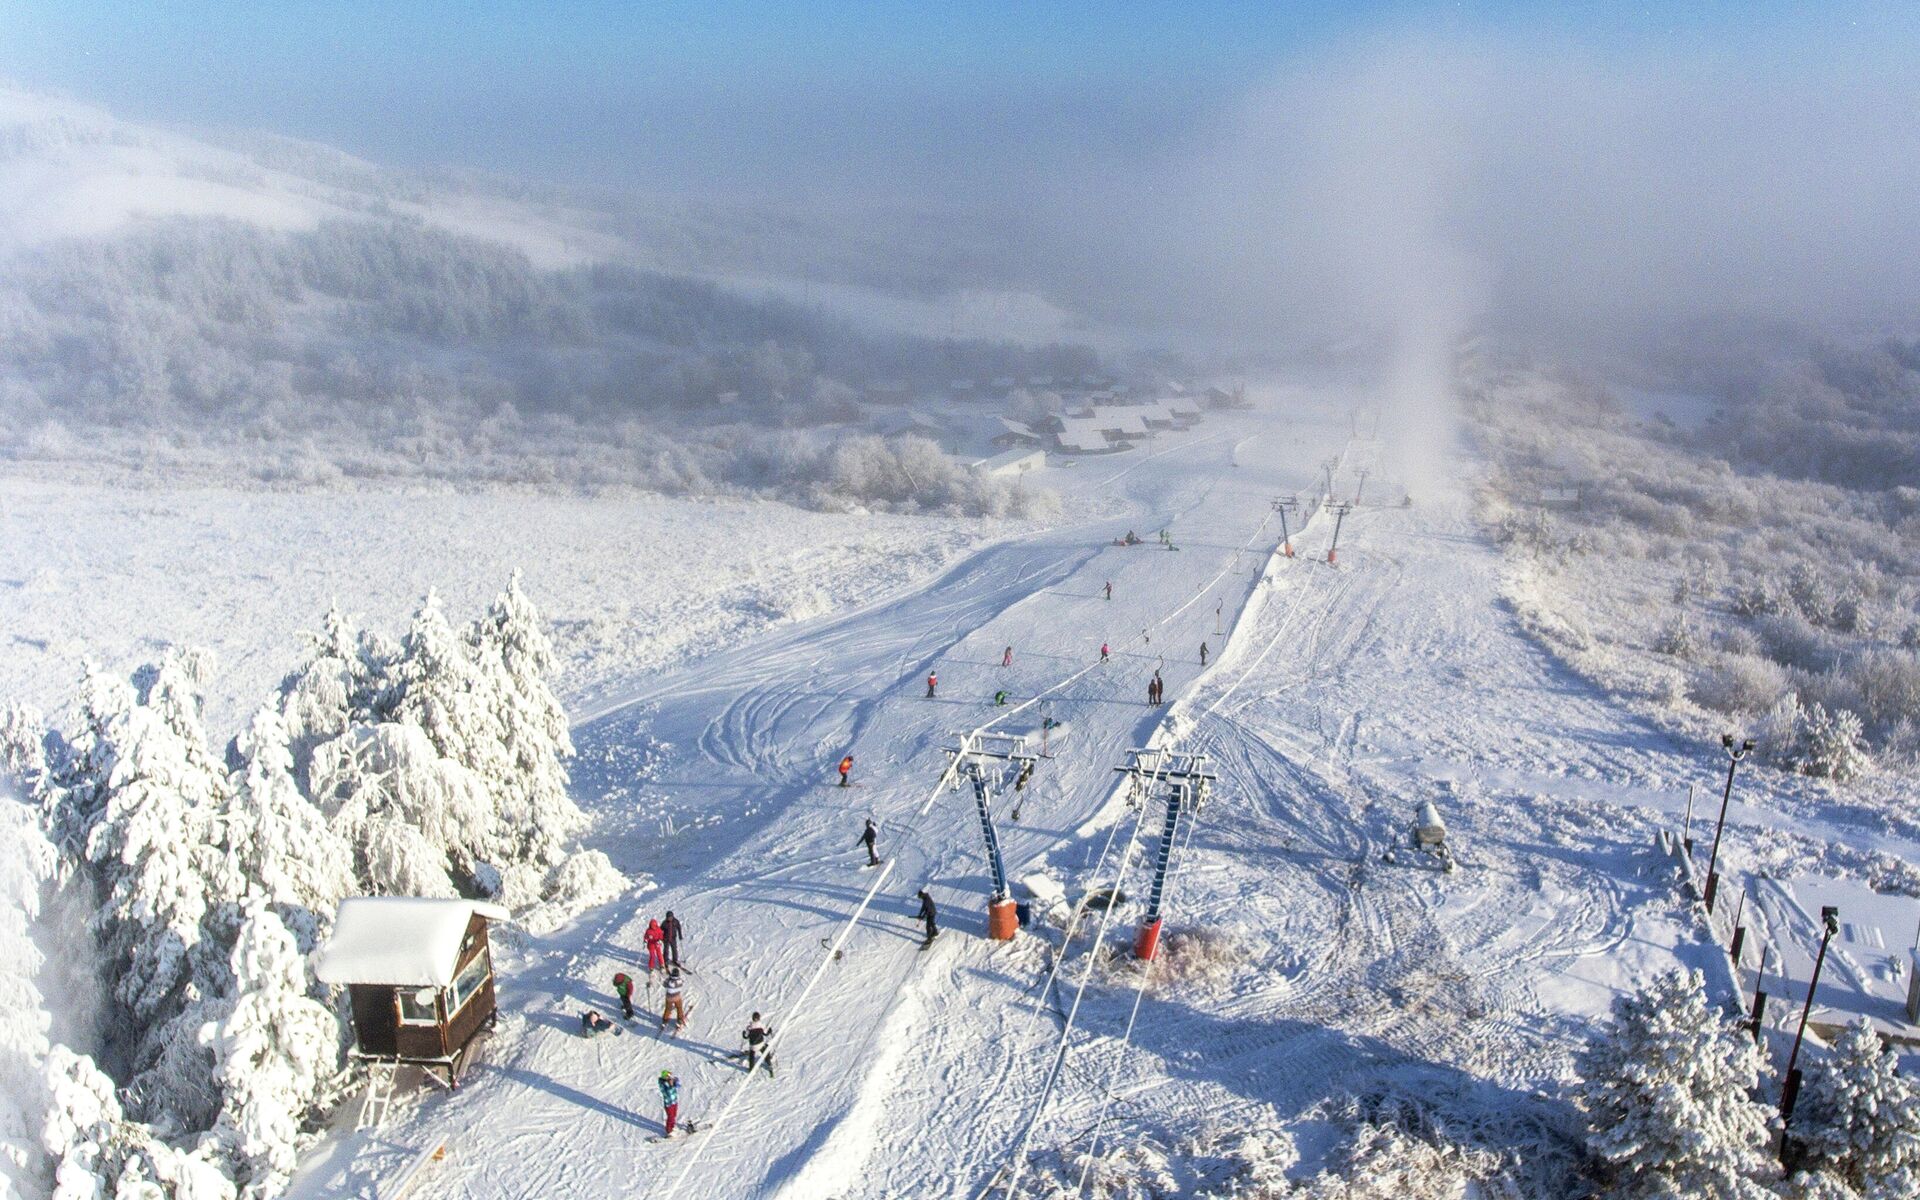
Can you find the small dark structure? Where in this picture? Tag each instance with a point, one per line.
(419, 974)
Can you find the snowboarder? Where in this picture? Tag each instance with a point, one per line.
(867, 838)
(1104, 652)
(758, 1052)
(670, 937)
(623, 988)
(846, 769)
(933, 683)
(1203, 654)
(1006, 659)
(1000, 698)
(675, 1007)
(670, 1099)
(592, 1024)
(1109, 589)
(927, 914)
(656, 957)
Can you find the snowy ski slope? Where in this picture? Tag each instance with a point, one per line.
(1342, 698)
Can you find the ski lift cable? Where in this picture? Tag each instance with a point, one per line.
(941, 785)
(1080, 992)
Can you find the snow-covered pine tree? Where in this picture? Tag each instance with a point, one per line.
(25, 871)
(274, 1055)
(151, 841)
(537, 816)
(1833, 744)
(402, 808)
(1665, 1087)
(97, 1152)
(440, 690)
(337, 683)
(276, 840)
(1858, 1117)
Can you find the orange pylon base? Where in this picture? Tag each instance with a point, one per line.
(1332, 556)
(1003, 920)
(1148, 942)
(1286, 548)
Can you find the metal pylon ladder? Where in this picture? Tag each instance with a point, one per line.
(373, 1110)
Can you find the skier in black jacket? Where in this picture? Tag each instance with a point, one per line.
(670, 937)
(758, 1051)
(867, 839)
(927, 914)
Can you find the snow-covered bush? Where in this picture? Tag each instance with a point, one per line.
(412, 818)
(1858, 1117)
(274, 1054)
(1198, 956)
(1665, 1086)
(585, 879)
(1740, 683)
(1677, 639)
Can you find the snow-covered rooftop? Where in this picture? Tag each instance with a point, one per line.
(406, 941)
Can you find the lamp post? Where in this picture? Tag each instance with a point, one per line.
(1734, 755)
(1790, 1090)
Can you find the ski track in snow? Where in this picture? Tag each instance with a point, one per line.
(1343, 697)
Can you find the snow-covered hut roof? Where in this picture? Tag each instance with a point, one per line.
(1125, 420)
(1082, 434)
(1181, 406)
(403, 941)
(1020, 427)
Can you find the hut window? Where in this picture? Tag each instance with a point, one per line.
(467, 983)
(417, 1006)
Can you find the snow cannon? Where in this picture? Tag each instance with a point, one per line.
(1430, 834)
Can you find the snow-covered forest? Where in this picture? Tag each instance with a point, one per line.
(1747, 566)
(367, 336)
(183, 886)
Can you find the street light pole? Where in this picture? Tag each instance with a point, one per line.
(1790, 1090)
(1734, 755)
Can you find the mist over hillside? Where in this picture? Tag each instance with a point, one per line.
(287, 311)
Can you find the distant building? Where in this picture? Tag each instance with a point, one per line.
(1016, 433)
(1184, 410)
(1083, 435)
(1225, 398)
(1017, 461)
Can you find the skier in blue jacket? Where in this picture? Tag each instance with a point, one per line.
(670, 1099)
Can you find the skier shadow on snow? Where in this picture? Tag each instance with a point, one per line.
(535, 1081)
(841, 898)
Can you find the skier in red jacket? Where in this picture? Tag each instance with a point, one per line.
(656, 954)
(933, 681)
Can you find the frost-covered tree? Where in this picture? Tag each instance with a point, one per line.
(1665, 1087)
(537, 817)
(338, 682)
(97, 1152)
(276, 840)
(440, 690)
(274, 1054)
(25, 871)
(1832, 744)
(149, 796)
(1858, 1117)
(411, 817)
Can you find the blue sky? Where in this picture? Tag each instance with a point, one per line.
(716, 95)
